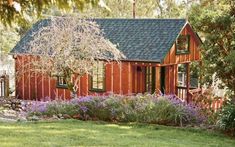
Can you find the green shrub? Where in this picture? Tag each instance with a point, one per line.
(61, 108)
(166, 112)
(226, 120)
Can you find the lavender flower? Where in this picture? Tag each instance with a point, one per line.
(85, 99)
(84, 109)
(36, 106)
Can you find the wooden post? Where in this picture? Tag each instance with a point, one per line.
(129, 78)
(7, 86)
(176, 78)
(188, 81)
(158, 80)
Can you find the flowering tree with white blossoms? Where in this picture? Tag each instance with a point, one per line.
(70, 46)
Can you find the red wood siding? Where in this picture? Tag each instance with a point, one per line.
(35, 86)
(171, 76)
(157, 79)
(116, 78)
(108, 79)
(172, 60)
(194, 51)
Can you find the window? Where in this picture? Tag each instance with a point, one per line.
(61, 82)
(182, 44)
(97, 80)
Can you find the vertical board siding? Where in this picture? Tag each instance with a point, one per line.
(116, 77)
(112, 77)
(52, 88)
(130, 78)
(134, 79)
(172, 59)
(174, 75)
(176, 79)
(125, 78)
(84, 85)
(60, 93)
(19, 80)
(158, 79)
(35, 86)
(108, 76)
(39, 86)
(45, 87)
(120, 80)
(26, 79)
(67, 94)
(32, 86)
(194, 50)
(138, 79)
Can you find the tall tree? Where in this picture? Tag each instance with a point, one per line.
(215, 19)
(16, 11)
(143, 9)
(8, 38)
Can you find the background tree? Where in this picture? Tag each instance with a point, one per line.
(216, 22)
(17, 11)
(144, 9)
(68, 46)
(30, 11)
(8, 38)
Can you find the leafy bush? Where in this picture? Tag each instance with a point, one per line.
(140, 108)
(61, 108)
(226, 120)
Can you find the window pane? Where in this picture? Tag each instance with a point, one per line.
(94, 84)
(100, 85)
(182, 43)
(148, 82)
(61, 81)
(98, 76)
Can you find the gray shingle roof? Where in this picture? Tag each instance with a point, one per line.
(138, 39)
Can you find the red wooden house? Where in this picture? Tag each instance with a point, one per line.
(154, 48)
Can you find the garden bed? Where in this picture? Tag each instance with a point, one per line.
(167, 110)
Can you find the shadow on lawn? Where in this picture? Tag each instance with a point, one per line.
(161, 128)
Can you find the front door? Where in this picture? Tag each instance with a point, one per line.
(150, 79)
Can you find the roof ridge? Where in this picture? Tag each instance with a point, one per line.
(141, 18)
(97, 18)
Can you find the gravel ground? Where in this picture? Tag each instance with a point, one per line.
(7, 115)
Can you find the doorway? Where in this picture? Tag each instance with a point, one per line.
(162, 79)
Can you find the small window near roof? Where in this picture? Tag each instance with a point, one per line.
(61, 82)
(182, 44)
(97, 80)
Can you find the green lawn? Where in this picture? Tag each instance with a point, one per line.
(80, 133)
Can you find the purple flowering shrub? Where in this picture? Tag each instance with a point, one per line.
(172, 110)
(92, 107)
(51, 108)
(35, 107)
(145, 108)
